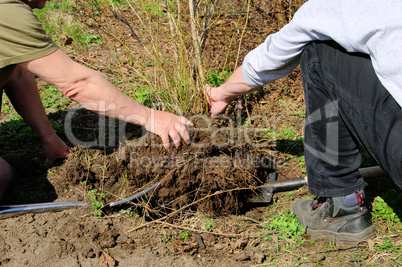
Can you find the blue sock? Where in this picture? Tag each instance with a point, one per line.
(352, 200)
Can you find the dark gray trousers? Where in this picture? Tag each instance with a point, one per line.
(346, 107)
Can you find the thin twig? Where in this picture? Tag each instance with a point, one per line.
(196, 40)
(185, 207)
(206, 232)
(196, 202)
(128, 24)
(242, 33)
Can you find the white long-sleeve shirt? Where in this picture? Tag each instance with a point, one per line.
(373, 27)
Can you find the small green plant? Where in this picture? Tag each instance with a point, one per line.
(96, 202)
(331, 243)
(215, 78)
(167, 237)
(116, 81)
(286, 226)
(281, 101)
(16, 117)
(384, 211)
(143, 96)
(209, 225)
(52, 98)
(284, 132)
(154, 10)
(149, 63)
(87, 160)
(185, 235)
(383, 246)
(90, 38)
(52, 172)
(288, 132)
(128, 213)
(123, 185)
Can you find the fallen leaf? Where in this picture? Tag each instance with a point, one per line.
(106, 260)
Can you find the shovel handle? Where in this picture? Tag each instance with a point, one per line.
(285, 185)
(288, 185)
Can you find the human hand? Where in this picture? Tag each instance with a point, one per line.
(217, 105)
(55, 148)
(168, 126)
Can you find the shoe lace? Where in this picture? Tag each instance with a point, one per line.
(360, 199)
(317, 202)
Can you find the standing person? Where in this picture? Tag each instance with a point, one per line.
(350, 54)
(26, 50)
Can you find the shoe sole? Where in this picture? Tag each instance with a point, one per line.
(345, 239)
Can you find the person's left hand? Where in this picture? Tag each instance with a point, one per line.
(55, 148)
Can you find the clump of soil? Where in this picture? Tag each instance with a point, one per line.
(220, 158)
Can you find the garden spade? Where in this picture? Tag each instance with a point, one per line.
(8, 211)
(268, 189)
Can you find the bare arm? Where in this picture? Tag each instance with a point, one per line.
(22, 90)
(95, 93)
(220, 97)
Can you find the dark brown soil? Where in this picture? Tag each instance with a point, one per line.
(186, 175)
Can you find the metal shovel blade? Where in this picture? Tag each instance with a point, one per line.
(268, 189)
(134, 197)
(8, 211)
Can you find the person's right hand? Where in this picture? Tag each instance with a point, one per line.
(168, 126)
(217, 105)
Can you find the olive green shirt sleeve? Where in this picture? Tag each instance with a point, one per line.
(22, 37)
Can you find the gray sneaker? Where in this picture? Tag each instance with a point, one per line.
(327, 218)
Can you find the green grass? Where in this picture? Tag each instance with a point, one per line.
(142, 95)
(284, 131)
(216, 78)
(52, 98)
(17, 130)
(290, 110)
(300, 161)
(6, 105)
(391, 250)
(152, 7)
(284, 226)
(60, 24)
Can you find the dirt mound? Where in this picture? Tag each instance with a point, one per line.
(221, 157)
